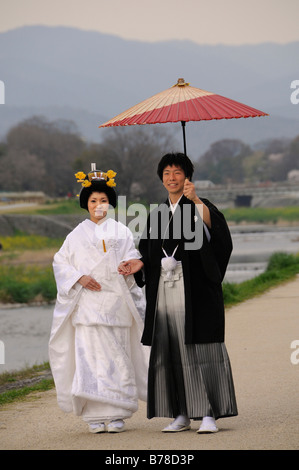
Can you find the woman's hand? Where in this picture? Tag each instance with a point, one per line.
(90, 283)
(130, 267)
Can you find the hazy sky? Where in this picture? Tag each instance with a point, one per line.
(204, 22)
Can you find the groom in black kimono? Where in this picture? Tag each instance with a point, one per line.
(189, 374)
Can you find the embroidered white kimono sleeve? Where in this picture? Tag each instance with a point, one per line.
(86, 321)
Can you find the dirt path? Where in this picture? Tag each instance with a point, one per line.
(259, 336)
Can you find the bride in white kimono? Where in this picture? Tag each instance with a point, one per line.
(98, 362)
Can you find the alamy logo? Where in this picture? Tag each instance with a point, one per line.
(295, 93)
(295, 354)
(181, 225)
(2, 92)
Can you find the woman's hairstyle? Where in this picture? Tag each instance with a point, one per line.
(176, 159)
(100, 187)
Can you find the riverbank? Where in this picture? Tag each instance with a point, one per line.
(259, 335)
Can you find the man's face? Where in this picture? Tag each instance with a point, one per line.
(174, 179)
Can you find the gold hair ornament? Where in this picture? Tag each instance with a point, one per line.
(95, 175)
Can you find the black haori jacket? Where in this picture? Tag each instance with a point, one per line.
(204, 265)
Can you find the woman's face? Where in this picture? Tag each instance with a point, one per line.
(98, 204)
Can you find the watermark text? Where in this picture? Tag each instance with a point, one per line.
(295, 353)
(159, 224)
(2, 92)
(295, 94)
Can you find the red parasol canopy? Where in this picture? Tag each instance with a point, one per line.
(184, 103)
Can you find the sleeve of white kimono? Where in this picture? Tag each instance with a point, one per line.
(128, 249)
(66, 275)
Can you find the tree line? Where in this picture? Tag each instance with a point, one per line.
(39, 155)
(231, 161)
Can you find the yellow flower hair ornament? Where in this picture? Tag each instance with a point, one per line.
(111, 183)
(80, 176)
(95, 175)
(111, 174)
(86, 183)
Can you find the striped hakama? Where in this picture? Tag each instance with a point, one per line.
(185, 379)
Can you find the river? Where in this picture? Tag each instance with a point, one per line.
(253, 245)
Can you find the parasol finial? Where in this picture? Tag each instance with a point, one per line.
(181, 82)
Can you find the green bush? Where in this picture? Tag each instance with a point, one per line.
(47, 288)
(19, 291)
(280, 268)
(22, 284)
(281, 261)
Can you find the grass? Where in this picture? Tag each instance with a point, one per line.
(23, 242)
(22, 374)
(262, 215)
(281, 267)
(70, 206)
(17, 394)
(25, 284)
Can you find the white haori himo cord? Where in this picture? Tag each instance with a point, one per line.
(169, 263)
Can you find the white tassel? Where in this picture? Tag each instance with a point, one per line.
(169, 263)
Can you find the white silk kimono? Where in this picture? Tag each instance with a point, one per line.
(97, 360)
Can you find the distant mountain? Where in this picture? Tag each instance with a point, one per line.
(89, 77)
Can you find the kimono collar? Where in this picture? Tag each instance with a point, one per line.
(91, 226)
(174, 206)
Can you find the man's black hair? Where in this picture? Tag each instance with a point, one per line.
(176, 159)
